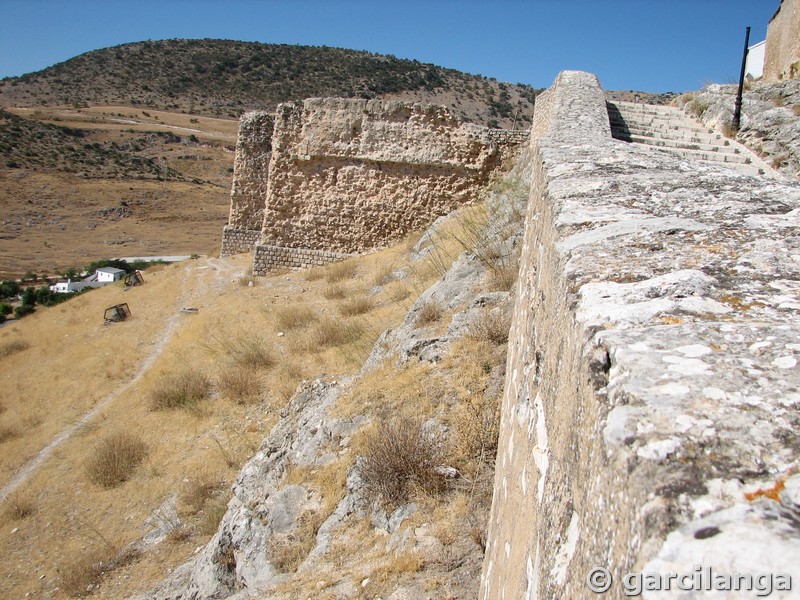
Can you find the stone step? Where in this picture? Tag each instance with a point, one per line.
(646, 108)
(677, 135)
(717, 157)
(653, 141)
(682, 122)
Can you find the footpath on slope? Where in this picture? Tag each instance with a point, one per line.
(184, 299)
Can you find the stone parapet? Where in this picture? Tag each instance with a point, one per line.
(267, 258)
(651, 406)
(236, 241)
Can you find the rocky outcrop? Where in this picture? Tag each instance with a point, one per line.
(770, 124)
(651, 408)
(346, 176)
(269, 506)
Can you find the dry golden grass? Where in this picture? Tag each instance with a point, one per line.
(502, 276)
(491, 325)
(250, 350)
(115, 457)
(294, 316)
(124, 361)
(182, 389)
(239, 384)
(12, 347)
(335, 292)
(356, 306)
(399, 461)
(19, 505)
(430, 312)
(339, 271)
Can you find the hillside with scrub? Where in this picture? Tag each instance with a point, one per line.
(113, 480)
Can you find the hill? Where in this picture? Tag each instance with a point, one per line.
(29, 144)
(226, 78)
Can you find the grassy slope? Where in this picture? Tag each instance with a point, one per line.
(194, 454)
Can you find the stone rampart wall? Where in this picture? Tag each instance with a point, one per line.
(267, 258)
(352, 175)
(651, 408)
(236, 241)
(249, 187)
(782, 59)
(346, 176)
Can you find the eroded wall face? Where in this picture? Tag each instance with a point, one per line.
(353, 175)
(650, 410)
(782, 58)
(249, 186)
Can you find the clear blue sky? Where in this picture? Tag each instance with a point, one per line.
(648, 45)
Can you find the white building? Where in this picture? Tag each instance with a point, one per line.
(109, 274)
(103, 276)
(754, 67)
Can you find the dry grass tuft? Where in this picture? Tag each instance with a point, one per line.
(294, 316)
(491, 325)
(18, 506)
(314, 274)
(183, 389)
(8, 432)
(288, 377)
(251, 351)
(476, 423)
(334, 292)
(212, 514)
(87, 568)
(115, 458)
(12, 347)
(400, 458)
(328, 332)
(197, 491)
(239, 384)
(356, 306)
(430, 312)
(286, 551)
(502, 277)
(339, 271)
(383, 274)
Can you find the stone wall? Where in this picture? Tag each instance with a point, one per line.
(650, 413)
(266, 258)
(249, 187)
(348, 176)
(782, 58)
(235, 241)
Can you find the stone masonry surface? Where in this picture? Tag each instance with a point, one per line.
(782, 59)
(346, 176)
(652, 399)
(235, 240)
(249, 187)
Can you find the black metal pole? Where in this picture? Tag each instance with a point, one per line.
(737, 111)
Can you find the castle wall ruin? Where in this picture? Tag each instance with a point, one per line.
(651, 406)
(347, 175)
(782, 59)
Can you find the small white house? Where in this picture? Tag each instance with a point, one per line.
(754, 68)
(109, 274)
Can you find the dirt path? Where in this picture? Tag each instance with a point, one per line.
(169, 329)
